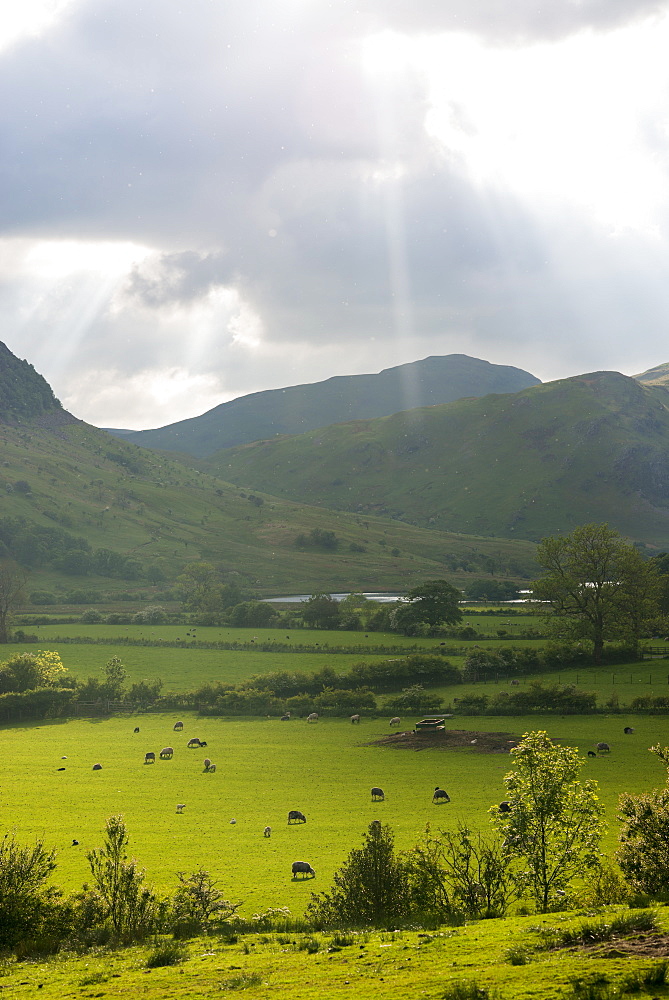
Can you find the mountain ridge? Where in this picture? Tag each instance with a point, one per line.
(296, 409)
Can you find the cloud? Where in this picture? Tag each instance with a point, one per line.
(303, 190)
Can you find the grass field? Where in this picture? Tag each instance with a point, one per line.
(264, 769)
(403, 965)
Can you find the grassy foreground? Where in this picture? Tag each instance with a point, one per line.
(499, 957)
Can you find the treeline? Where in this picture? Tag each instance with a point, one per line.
(35, 546)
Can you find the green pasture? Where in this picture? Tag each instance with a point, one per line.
(265, 768)
(368, 965)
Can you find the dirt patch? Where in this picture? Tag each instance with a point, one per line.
(641, 946)
(447, 739)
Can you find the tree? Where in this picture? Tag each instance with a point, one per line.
(27, 671)
(198, 900)
(554, 824)
(23, 896)
(115, 675)
(372, 886)
(200, 587)
(432, 603)
(321, 611)
(130, 906)
(598, 586)
(643, 854)
(12, 584)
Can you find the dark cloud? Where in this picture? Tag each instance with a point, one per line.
(177, 277)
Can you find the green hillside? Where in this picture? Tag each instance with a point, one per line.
(23, 392)
(80, 508)
(590, 448)
(300, 408)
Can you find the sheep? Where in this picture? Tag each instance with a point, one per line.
(207, 763)
(75, 843)
(97, 767)
(211, 768)
(440, 795)
(286, 717)
(515, 683)
(136, 729)
(295, 816)
(178, 726)
(628, 730)
(203, 743)
(504, 807)
(591, 753)
(167, 752)
(377, 795)
(181, 806)
(267, 832)
(396, 721)
(232, 822)
(302, 868)
(60, 769)
(313, 717)
(149, 757)
(604, 747)
(194, 742)
(355, 718)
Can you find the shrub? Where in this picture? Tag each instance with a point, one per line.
(167, 953)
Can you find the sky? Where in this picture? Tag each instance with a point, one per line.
(201, 200)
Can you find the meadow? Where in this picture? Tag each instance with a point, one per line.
(265, 768)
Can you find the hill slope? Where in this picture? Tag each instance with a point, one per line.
(83, 509)
(300, 408)
(23, 392)
(590, 448)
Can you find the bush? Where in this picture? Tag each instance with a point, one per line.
(167, 953)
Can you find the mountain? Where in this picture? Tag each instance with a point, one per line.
(655, 376)
(84, 511)
(23, 392)
(300, 408)
(590, 448)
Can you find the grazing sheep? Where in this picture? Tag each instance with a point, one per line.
(440, 795)
(267, 832)
(178, 726)
(203, 743)
(295, 816)
(396, 721)
(515, 683)
(286, 717)
(167, 752)
(75, 843)
(193, 743)
(628, 730)
(355, 718)
(150, 757)
(302, 868)
(232, 822)
(211, 768)
(604, 747)
(591, 753)
(313, 717)
(377, 795)
(97, 767)
(136, 729)
(180, 807)
(207, 763)
(504, 807)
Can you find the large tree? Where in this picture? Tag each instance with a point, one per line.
(435, 602)
(554, 822)
(598, 585)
